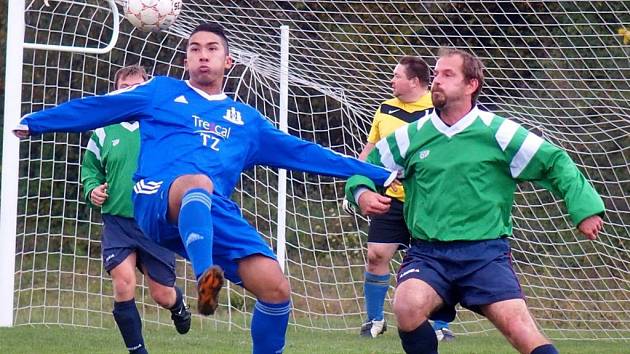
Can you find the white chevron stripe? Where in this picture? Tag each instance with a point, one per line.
(387, 158)
(144, 188)
(100, 134)
(505, 133)
(525, 153)
(402, 140)
(91, 146)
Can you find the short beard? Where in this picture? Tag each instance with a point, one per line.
(438, 99)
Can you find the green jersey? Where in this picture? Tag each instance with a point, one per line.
(112, 157)
(460, 180)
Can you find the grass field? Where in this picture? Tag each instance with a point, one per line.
(57, 339)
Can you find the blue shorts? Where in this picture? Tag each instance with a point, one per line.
(472, 273)
(122, 236)
(233, 238)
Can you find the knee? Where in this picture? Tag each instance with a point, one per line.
(124, 288)
(522, 329)
(197, 181)
(376, 258)
(278, 292)
(163, 295)
(408, 314)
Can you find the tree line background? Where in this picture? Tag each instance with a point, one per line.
(522, 54)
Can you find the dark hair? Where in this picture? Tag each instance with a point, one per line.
(472, 67)
(416, 67)
(212, 28)
(131, 70)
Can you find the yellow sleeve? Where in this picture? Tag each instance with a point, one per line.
(374, 136)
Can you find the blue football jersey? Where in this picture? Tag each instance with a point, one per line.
(186, 131)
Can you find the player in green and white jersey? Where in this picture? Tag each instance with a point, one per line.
(460, 166)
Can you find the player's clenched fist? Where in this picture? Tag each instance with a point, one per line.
(98, 196)
(591, 226)
(372, 203)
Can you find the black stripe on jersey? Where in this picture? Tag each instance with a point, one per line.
(403, 115)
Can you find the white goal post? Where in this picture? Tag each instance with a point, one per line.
(559, 68)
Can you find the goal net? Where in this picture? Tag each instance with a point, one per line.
(561, 69)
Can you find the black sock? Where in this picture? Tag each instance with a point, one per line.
(545, 349)
(421, 340)
(179, 301)
(128, 320)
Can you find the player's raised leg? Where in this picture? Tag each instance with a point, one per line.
(263, 277)
(190, 206)
(513, 319)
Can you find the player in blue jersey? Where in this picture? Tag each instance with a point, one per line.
(196, 141)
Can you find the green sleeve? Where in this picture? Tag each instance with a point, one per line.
(92, 171)
(355, 182)
(552, 168)
(387, 153)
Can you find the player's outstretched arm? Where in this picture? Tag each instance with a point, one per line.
(278, 149)
(551, 167)
(87, 113)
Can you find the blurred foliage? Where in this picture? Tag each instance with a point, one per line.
(526, 47)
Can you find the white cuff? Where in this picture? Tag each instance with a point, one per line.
(391, 178)
(358, 193)
(20, 126)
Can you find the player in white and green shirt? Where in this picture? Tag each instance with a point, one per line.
(460, 166)
(108, 165)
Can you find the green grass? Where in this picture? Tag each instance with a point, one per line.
(163, 339)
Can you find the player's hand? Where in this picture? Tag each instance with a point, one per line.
(372, 203)
(591, 226)
(347, 207)
(395, 186)
(98, 196)
(21, 133)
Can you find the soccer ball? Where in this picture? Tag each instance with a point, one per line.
(152, 15)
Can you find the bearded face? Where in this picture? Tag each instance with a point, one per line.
(438, 97)
(449, 84)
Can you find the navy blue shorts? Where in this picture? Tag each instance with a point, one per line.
(471, 273)
(390, 227)
(122, 236)
(233, 237)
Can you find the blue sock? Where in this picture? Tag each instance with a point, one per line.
(269, 327)
(195, 228)
(437, 324)
(545, 349)
(421, 340)
(128, 320)
(375, 289)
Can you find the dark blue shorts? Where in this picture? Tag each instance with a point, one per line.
(233, 237)
(471, 273)
(122, 236)
(390, 227)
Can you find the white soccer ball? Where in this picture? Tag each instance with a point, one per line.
(152, 15)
